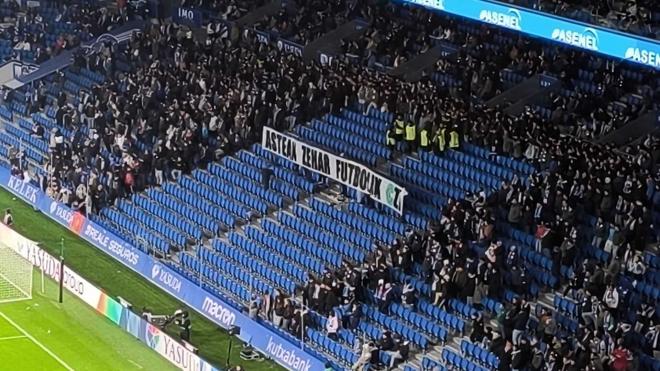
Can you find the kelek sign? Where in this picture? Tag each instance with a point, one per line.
(346, 172)
(585, 36)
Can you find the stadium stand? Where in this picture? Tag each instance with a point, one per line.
(522, 245)
(643, 18)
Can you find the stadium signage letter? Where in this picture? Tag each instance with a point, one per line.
(188, 16)
(287, 357)
(511, 19)
(24, 189)
(219, 312)
(61, 212)
(647, 57)
(74, 284)
(352, 174)
(262, 37)
(110, 244)
(179, 355)
(289, 47)
(167, 278)
(40, 259)
(325, 59)
(586, 40)
(186, 13)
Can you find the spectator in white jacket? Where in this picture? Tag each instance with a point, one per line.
(365, 356)
(611, 298)
(332, 326)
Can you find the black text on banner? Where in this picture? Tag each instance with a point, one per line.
(346, 172)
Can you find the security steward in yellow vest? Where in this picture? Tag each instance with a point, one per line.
(399, 128)
(440, 141)
(424, 140)
(390, 138)
(454, 142)
(411, 136)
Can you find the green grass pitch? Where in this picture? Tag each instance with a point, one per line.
(42, 334)
(117, 280)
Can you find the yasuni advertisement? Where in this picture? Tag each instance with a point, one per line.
(603, 40)
(280, 349)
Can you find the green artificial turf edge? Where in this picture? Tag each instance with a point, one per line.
(118, 280)
(73, 331)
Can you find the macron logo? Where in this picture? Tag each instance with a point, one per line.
(53, 207)
(510, 19)
(218, 312)
(287, 357)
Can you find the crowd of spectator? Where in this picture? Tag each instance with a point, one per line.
(64, 27)
(640, 17)
(186, 102)
(575, 181)
(222, 9)
(302, 21)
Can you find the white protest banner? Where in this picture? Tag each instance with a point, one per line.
(346, 172)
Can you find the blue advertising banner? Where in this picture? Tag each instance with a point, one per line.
(447, 50)
(546, 80)
(163, 344)
(262, 37)
(24, 190)
(561, 30)
(289, 47)
(278, 348)
(188, 16)
(325, 58)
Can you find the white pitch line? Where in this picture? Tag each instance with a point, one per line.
(136, 364)
(13, 337)
(27, 335)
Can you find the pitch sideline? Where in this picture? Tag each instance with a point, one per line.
(36, 342)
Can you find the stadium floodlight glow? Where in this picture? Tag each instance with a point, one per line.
(15, 276)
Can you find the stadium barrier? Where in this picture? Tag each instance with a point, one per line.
(147, 333)
(293, 356)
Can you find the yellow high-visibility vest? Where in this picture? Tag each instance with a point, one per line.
(399, 127)
(410, 132)
(440, 138)
(453, 139)
(390, 138)
(424, 138)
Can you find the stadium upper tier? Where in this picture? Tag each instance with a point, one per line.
(642, 19)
